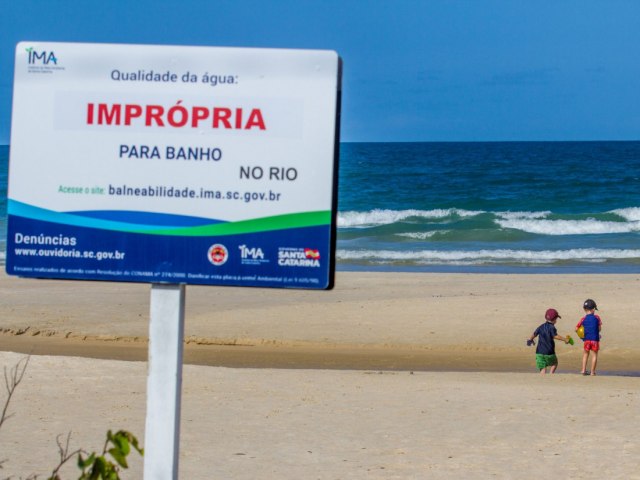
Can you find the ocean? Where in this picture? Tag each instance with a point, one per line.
(514, 207)
(490, 207)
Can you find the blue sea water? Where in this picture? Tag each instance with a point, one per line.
(481, 207)
(490, 207)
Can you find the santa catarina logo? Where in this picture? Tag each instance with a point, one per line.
(298, 257)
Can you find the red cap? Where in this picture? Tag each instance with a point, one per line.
(552, 314)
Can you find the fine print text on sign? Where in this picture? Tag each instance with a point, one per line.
(194, 165)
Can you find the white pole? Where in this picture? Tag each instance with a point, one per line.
(164, 383)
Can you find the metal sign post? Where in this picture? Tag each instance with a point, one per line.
(164, 383)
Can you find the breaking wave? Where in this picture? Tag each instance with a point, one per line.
(385, 217)
(625, 220)
(589, 226)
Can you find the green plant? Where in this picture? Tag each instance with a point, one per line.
(117, 446)
(104, 466)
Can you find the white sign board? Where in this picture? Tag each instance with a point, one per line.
(174, 164)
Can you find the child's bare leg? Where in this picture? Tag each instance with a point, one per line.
(585, 356)
(553, 368)
(543, 371)
(594, 362)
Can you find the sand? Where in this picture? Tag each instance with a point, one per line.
(390, 375)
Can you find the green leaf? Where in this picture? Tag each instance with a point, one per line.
(134, 442)
(121, 441)
(100, 466)
(85, 463)
(119, 457)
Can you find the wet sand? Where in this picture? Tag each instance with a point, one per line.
(370, 320)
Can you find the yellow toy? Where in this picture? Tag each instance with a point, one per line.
(580, 331)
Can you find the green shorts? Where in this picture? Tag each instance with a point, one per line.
(544, 361)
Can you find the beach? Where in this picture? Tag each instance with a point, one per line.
(389, 375)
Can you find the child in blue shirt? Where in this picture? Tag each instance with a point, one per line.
(592, 325)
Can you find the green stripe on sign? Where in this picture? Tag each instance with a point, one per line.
(278, 222)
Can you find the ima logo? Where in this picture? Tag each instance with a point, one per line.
(43, 58)
(252, 253)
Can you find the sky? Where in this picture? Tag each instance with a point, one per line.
(431, 70)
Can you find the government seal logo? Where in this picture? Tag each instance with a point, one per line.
(218, 254)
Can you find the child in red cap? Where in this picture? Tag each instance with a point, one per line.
(546, 349)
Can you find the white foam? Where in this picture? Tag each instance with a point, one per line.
(569, 227)
(386, 217)
(421, 235)
(631, 214)
(520, 215)
(488, 256)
